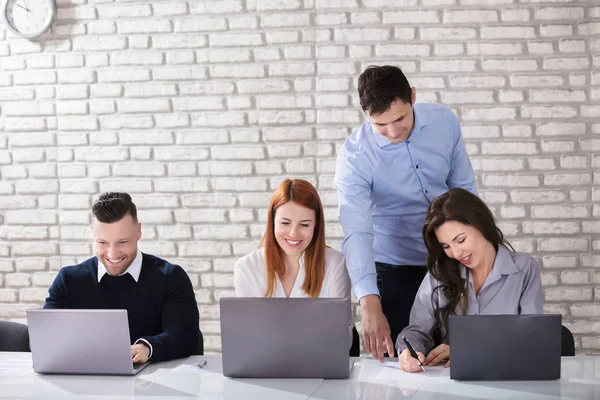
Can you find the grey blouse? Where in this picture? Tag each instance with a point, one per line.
(513, 287)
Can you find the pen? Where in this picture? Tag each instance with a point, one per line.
(413, 352)
(202, 364)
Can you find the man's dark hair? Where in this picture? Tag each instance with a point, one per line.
(112, 206)
(379, 86)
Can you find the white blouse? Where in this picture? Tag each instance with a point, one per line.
(250, 278)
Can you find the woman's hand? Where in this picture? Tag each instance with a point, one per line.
(408, 363)
(438, 355)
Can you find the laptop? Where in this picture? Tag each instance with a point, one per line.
(285, 337)
(505, 347)
(81, 342)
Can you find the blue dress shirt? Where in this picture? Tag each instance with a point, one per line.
(384, 190)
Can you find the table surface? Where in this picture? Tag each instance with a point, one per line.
(369, 380)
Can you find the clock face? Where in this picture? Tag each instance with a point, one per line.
(28, 18)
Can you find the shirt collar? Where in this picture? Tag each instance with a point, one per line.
(503, 265)
(504, 262)
(420, 121)
(134, 269)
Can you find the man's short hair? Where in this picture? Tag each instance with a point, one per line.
(379, 86)
(113, 206)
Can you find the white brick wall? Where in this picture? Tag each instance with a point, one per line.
(200, 108)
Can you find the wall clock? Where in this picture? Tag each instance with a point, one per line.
(28, 18)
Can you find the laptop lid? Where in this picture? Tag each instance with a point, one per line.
(505, 347)
(285, 337)
(81, 342)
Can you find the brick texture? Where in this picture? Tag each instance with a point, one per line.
(200, 108)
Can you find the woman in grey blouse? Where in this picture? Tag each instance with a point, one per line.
(472, 270)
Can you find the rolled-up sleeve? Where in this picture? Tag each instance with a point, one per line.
(422, 323)
(531, 301)
(353, 184)
(461, 171)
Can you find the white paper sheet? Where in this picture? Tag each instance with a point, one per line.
(391, 370)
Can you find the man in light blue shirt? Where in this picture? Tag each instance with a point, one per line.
(387, 173)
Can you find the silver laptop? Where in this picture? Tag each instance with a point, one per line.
(81, 342)
(505, 347)
(285, 337)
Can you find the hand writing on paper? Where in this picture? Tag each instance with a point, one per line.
(439, 354)
(375, 328)
(139, 353)
(408, 363)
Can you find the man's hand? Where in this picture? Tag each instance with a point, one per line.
(139, 353)
(408, 363)
(375, 328)
(439, 354)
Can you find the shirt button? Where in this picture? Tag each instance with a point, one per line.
(417, 166)
(426, 191)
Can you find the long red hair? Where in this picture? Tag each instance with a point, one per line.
(302, 193)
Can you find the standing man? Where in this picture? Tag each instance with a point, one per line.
(387, 173)
(158, 296)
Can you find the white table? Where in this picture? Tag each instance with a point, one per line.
(181, 379)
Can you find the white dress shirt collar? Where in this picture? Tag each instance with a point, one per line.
(134, 269)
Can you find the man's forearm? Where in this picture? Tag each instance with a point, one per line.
(370, 302)
(358, 252)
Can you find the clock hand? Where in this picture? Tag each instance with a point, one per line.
(24, 8)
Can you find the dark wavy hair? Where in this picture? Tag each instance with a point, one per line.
(379, 86)
(462, 206)
(112, 206)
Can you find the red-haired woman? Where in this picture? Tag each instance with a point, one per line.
(293, 259)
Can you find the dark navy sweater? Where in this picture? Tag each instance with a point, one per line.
(161, 306)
